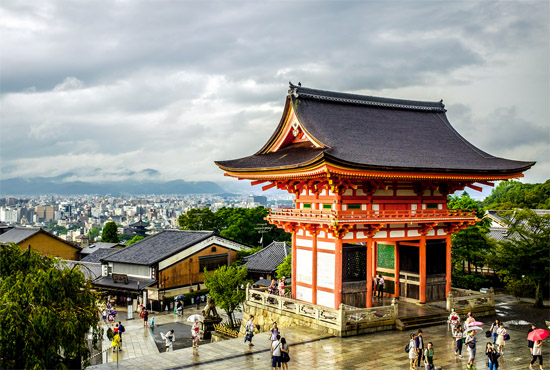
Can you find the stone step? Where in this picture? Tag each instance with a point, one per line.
(407, 323)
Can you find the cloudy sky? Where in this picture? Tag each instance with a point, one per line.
(142, 89)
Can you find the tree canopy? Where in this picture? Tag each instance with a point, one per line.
(110, 233)
(238, 224)
(93, 233)
(135, 239)
(226, 285)
(285, 268)
(526, 252)
(46, 311)
(514, 194)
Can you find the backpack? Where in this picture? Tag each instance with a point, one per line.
(121, 328)
(407, 348)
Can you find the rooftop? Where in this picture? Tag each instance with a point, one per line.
(268, 258)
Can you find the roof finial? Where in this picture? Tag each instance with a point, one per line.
(299, 84)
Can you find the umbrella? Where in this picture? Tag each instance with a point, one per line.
(181, 296)
(473, 328)
(195, 317)
(537, 334)
(475, 323)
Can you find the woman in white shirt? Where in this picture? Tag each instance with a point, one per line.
(412, 353)
(500, 338)
(537, 353)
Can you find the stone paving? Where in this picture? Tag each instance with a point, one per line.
(314, 350)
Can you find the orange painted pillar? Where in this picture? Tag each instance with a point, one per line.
(374, 257)
(294, 264)
(422, 269)
(369, 272)
(448, 265)
(314, 269)
(396, 289)
(338, 274)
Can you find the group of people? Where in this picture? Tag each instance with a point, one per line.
(419, 352)
(277, 287)
(115, 335)
(378, 286)
(280, 351)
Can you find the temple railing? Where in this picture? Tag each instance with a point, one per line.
(339, 320)
(462, 299)
(374, 216)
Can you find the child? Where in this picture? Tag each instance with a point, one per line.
(458, 335)
(492, 355)
(429, 357)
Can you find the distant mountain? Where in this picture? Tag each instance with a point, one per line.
(55, 185)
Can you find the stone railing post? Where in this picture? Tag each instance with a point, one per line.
(280, 301)
(394, 306)
(297, 308)
(342, 318)
(264, 299)
(449, 304)
(492, 296)
(247, 292)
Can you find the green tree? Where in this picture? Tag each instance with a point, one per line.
(285, 268)
(225, 285)
(110, 233)
(525, 254)
(514, 194)
(46, 311)
(135, 239)
(93, 233)
(56, 229)
(198, 219)
(245, 253)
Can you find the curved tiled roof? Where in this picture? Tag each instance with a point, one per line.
(268, 258)
(368, 132)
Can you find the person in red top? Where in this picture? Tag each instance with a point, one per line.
(195, 333)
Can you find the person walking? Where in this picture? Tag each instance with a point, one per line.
(453, 320)
(492, 356)
(169, 340)
(494, 328)
(276, 353)
(501, 331)
(469, 320)
(537, 353)
(412, 352)
(380, 286)
(374, 285)
(121, 329)
(282, 287)
(530, 342)
(429, 357)
(285, 354)
(458, 335)
(249, 331)
(195, 333)
(116, 345)
(274, 332)
(419, 342)
(145, 316)
(471, 343)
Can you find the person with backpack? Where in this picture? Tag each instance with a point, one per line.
(429, 357)
(121, 329)
(411, 347)
(249, 331)
(471, 343)
(276, 353)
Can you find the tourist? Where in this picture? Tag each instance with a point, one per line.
(530, 342)
(454, 320)
(282, 287)
(429, 357)
(285, 354)
(145, 316)
(104, 314)
(276, 353)
(380, 286)
(169, 340)
(121, 329)
(537, 353)
(458, 335)
(500, 338)
(274, 332)
(249, 331)
(469, 320)
(110, 333)
(374, 285)
(471, 343)
(492, 356)
(196, 334)
(116, 344)
(272, 287)
(180, 308)
(419, 344)
(494, 328)
(412, 352)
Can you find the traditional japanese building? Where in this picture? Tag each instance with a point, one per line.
(371, 178)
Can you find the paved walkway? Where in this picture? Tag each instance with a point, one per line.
(313, 350)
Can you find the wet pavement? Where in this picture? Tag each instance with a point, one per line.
(182, 333)
(385, 350)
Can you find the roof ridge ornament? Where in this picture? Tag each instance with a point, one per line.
(293, 89)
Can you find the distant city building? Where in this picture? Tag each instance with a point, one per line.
(42, 242)
(257, 200)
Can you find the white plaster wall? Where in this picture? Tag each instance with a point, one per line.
(348, 235)
(303, 266)
(431, 233)
(413, 233)
(348, 192)
(325, 299)
(376, 207)
(414, 206)
(303, 293)
(381, 234)
(360, 234)
(383, 192)
(363, 207)
(325, 245)
(397, 234)
(360, 191)
(405, 192)
(300, 232)
(325, 270)
(397, 226)
(304, 242)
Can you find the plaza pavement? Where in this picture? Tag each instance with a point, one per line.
(313, 350)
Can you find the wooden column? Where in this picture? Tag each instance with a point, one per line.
(294, 264)
(369, 272)
(448, 265)
(338, 273)
(396, 290)
(422, 269)
(314, 268)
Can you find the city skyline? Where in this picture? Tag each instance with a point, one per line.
(159, 93)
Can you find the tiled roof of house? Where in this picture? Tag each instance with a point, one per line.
(98, 255)
(158, 247)
(268, 258)
(90, 270)
(18, 234)
(375, 133)
(96, 246)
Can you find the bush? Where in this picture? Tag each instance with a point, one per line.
(471, 281)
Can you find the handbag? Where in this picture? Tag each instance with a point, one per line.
(286, 357)
(506, 336)
(488, 334)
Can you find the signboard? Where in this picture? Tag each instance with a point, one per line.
(120, 278)
(386, 256)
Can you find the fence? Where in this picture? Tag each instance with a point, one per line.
(468, 299)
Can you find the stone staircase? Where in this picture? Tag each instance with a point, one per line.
(414, 322)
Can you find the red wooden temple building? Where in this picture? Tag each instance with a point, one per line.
(371, 177)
